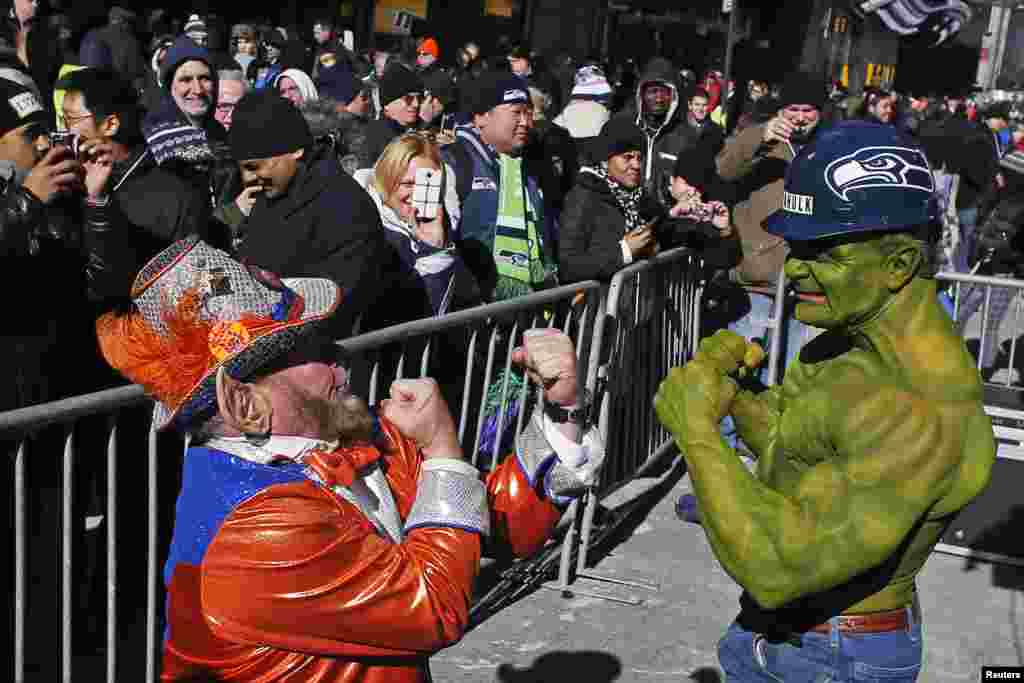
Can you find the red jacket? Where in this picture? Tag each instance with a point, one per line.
(297, 585)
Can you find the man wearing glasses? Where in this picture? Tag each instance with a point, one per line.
(399, 96)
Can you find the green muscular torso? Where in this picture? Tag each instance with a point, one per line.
(877, 437)
(812, 395)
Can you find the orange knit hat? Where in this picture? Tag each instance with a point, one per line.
(429, 46)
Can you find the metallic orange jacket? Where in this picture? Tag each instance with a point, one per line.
(297, 584)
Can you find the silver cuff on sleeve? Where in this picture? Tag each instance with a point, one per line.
(450, 494)
(565, 468)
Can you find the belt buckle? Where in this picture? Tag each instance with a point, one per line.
(852, 623)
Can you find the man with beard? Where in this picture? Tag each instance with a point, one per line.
(873, 443)
(317, 539)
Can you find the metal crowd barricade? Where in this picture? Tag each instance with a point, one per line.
(482, 340)
(980, 306)
(479, 338)
(652, 324)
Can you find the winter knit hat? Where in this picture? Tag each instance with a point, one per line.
(195, 26)
(430, 46)
(618, 136)
(183, 50)
(495, 88)
(398, 81)
(262, 111)
(801, 87)
(591, 84)
(338, 84)
(19, 105)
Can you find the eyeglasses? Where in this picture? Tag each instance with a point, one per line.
(69, 120)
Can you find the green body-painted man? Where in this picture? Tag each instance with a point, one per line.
(876, 438)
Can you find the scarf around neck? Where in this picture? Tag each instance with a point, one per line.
(628, 200)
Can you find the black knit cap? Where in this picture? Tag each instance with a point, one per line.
(19, 105)
(267, 125)
(618, 136)
(801, 87)
(398, 81)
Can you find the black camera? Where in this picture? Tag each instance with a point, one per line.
(67, 139)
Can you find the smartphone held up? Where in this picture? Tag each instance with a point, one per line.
(426, 194)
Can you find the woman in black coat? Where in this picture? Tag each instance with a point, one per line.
(609, 222)
(605, 226)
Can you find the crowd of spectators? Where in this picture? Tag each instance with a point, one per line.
(542, 160)
(297, 153)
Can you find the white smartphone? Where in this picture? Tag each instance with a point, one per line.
(426, 194)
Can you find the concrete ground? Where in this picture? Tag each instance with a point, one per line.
(973, 615)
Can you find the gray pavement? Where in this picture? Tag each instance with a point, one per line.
(972, 615)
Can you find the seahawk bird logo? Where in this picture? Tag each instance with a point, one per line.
(879, 167)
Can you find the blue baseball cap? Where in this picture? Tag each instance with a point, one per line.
(855, 177)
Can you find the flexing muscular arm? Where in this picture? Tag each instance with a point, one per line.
(893, 459)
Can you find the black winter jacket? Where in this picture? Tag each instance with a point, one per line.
(325, 226)
(64, 263)
(593, 226)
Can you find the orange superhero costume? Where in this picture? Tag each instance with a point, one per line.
(296, 583)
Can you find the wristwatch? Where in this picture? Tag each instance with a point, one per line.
(580, 414)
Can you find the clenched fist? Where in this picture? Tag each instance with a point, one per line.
(550, 359)
(698, 395)
(420, 412)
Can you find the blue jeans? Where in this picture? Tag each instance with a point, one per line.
(893, 657)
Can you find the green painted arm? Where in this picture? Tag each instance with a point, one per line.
(757, 418)
(843, 516)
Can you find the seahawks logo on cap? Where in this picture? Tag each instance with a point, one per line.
(879, 167)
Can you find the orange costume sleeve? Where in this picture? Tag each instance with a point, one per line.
(297, 579)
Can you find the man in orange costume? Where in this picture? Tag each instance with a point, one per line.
(316, 539)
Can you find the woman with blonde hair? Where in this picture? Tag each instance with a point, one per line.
(434, 270)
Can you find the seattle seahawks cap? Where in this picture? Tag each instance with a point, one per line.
(855, 177)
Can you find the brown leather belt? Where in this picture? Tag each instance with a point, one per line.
(875, 622)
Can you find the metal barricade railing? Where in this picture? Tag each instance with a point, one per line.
(979, 307)
(627, 335)
(479, 337)
(652, 324)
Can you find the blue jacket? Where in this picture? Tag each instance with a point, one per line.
(478, 176)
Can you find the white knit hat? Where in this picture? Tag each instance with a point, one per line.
(591, 82)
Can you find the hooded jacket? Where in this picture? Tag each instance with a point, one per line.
(303, 82)
(665, 138)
